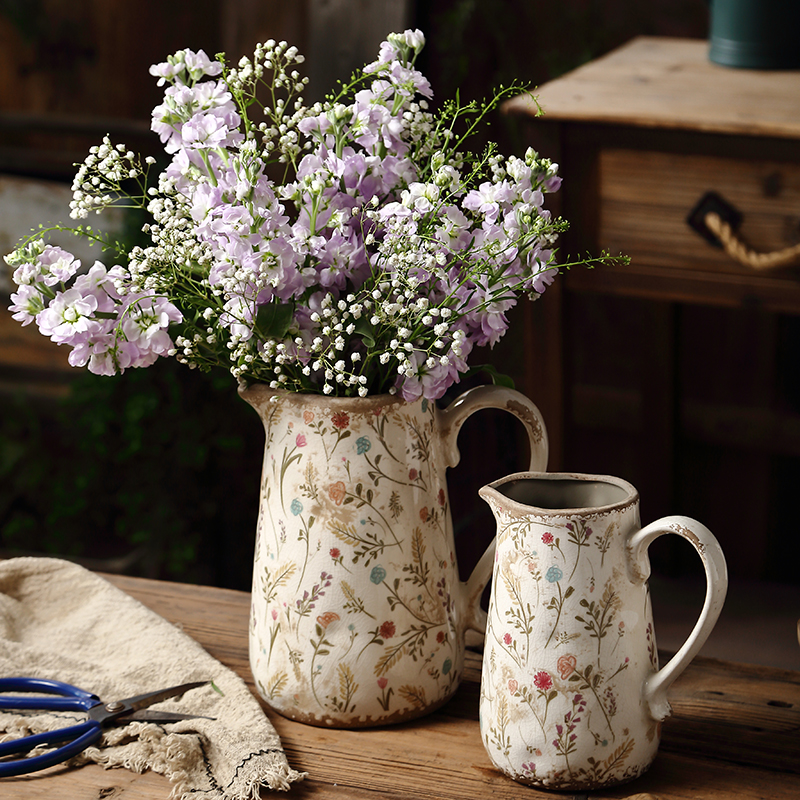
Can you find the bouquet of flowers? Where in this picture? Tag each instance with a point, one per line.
(351, 247)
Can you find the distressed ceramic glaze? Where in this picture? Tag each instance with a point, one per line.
(358, 613)
(572, 697)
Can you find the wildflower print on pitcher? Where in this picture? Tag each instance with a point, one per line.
(358, 611)
(571, 694)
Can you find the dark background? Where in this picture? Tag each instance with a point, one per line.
(156, 472)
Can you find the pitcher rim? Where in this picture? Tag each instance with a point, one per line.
(521, 509)
(378, 400)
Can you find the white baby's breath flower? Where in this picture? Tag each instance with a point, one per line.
(407, 259)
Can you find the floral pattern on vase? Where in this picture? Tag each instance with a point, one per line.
(358, 612)
(570, 645)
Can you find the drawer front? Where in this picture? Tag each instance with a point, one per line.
(645, 198)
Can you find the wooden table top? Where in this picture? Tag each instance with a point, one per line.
(662, 82)
(734, 733)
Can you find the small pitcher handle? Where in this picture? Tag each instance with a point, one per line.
(450, 422)
(710, 552)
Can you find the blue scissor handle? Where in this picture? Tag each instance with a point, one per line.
(78, 738)
(68, 698)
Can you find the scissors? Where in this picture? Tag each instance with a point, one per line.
(64, 697)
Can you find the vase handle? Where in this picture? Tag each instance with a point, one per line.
(464, 406)
(450, 422)
(710, 552)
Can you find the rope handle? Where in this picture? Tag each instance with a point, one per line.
(739, 251)
(717, 220)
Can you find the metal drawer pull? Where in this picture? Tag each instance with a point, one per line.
(716, 220)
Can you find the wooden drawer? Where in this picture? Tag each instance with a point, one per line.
(645, 198)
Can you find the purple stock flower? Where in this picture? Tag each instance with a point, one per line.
(26, 303)
(349, 247)
(57, 265)
(68, 317)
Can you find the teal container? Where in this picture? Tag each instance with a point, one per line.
(755, 34)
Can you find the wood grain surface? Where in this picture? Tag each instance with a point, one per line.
(652, 82)
(733, 733)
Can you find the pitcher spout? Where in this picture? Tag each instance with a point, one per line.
(492, 497)
(516, 493)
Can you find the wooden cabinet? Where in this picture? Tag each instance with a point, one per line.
(678, 370)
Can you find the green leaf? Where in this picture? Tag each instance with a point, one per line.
(366, 330)
(498, 378)
(273, 320)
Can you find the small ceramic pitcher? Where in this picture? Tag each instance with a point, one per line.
(572, 697)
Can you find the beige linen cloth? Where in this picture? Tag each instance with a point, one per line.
(60, 621)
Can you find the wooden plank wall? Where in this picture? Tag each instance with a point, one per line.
(70, 73)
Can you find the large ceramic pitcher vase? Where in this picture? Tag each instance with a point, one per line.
(572, 697)
(358, 612)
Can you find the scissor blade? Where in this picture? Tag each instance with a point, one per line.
(105, 714)
(161, 716)
(151, 698)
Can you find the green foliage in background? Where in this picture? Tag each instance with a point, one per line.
(163, 463)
